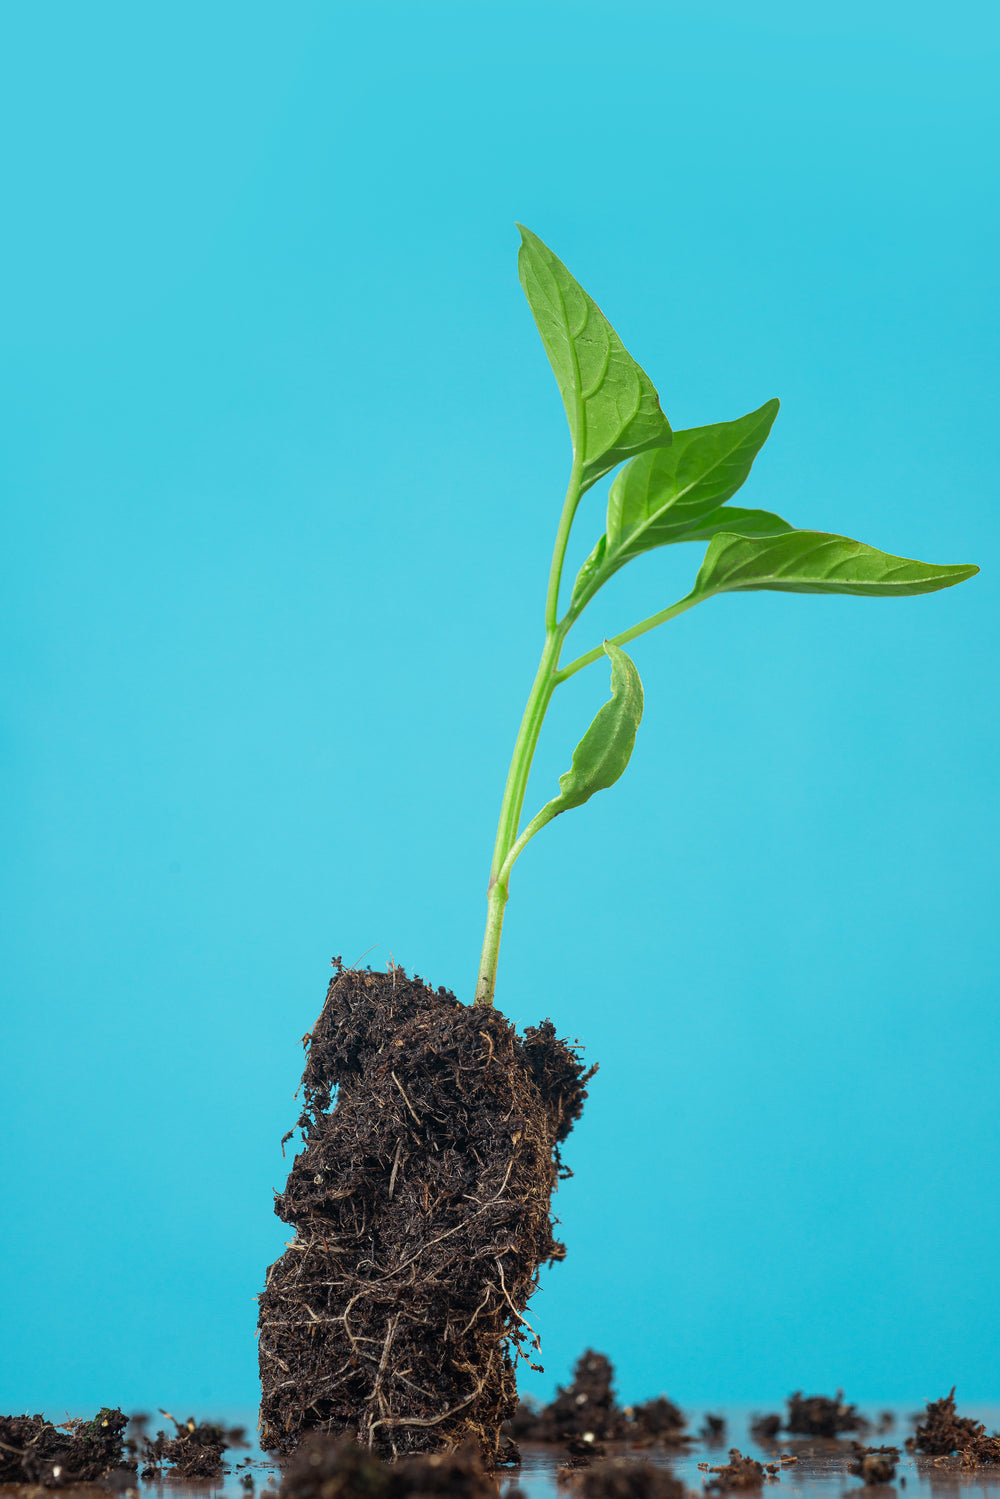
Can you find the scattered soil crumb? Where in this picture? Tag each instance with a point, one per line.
(765, 1429)
(713, 1431)
(421, 1204)
(819, 1416)
(621, 1478)
(325, 1467)
(943, 1432)
(34, 1451)
(740, 1473)
(874, 1464)
(886, 1421)
(194, 1452)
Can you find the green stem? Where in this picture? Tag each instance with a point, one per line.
(525, 745)
(626, 635)
(572, 500)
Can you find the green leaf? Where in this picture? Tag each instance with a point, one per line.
(738, 522)
(606, 748)
(816, 562)
(599, 567)
(665, 493)
(589, 574)
(611, 403)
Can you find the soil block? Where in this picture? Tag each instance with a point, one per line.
(421, 1205)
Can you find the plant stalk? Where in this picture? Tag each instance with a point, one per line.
(540, 696)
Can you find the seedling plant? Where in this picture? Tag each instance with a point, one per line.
(421, 1200)
(673, 486)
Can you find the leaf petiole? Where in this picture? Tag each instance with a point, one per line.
(688, 602)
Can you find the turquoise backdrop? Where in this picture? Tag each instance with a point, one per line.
(282, 468)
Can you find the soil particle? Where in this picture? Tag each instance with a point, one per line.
(819, 1416)
(622, 1478)
(195, 1451)
(764, 1429)
(875, 1464)
(421, 1204)
(34, 1451)
(739, 1473)
(326, 1467)
(943, 1432)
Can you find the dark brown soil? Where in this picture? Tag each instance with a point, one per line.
(326, 1467)
(587, 1410)
(943, 1431)
(34, 1451)
(739, 1473)
(584, 1408)
(194, 1451)
(819, 1416)
(875, 1464)
(622, 1478)
(659, 1420)
(421, 1204)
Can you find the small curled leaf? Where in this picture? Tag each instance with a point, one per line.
(606, 748)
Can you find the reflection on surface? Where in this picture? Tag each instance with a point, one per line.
(820, 1469)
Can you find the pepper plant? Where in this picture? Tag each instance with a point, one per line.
(673, 487)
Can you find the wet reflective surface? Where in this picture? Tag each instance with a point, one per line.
(820, 1469)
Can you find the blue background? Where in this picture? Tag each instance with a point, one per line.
(283, 465)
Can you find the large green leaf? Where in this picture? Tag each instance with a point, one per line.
(602, 564)
(679, 494)
(662, 494)
(612, 406)
(606, 748)
(737, 521)
(816, 562)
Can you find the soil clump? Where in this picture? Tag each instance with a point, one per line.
(740, 1473)
(195, 1451)
(421, 1204)
(587, 1410)
(943, 1432)
(764, 1429)
(326, 1467)
(621, 1478)
(819, 1416)
(586, 1407)
(875, 1464)
(661, 1421)
(34, 1451)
